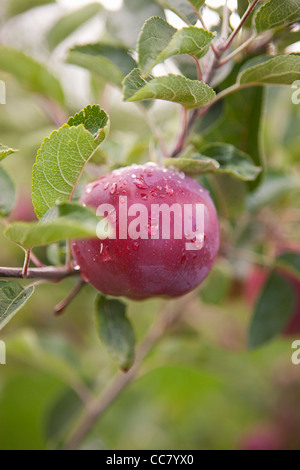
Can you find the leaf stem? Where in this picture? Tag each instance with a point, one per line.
(26, 263)
(198, 66)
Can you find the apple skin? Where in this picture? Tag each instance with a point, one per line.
(256, 279)
(144, 268)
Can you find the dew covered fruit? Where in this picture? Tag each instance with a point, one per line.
(152, 262)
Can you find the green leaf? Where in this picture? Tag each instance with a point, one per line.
(182, 8)
(7, 194)
(70, 23)
(239, 123)
(67, 221)
(94, 119)
(291, 262)
(12, 298)
(5, 152)
(158, 41)
(175, 88)
(155, 36)
(110, 62)
(115, 331)
(31, 74)
(276, 13)
(16, 7)
(273, 310)
(280, 70)
(218, 158)
(63, 156)
(232, 161)
(197, 3)
(126, 24)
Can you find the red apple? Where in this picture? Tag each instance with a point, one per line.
(156, 263)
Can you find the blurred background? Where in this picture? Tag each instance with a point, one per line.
(200, 388)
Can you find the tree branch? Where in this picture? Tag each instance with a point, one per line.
(97, 407)
(48, 272)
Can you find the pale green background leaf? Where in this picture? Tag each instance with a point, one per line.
(7, 193)
(15, 7)
(70, 23)
(110, 62)
(30, 74)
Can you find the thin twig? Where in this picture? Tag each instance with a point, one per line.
(48, 272)
(100, 404)
(183, 135)
(225, 23)
(238, 50)
(60, 308)
(242, 22)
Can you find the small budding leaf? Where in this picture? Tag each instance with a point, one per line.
(63, 157)
(280, 70)
(273, 310)
(276, 13)
(7, 193)
(115, 331)
(12, 298)
(158, 41)
(175, 88)
(68, 221)
(5, 152)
